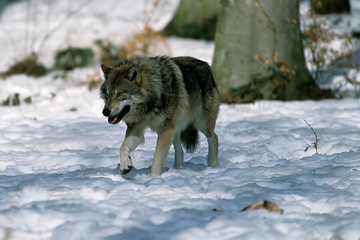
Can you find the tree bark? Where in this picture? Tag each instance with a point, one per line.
(259, 52)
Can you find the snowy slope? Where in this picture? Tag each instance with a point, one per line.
(59, 173)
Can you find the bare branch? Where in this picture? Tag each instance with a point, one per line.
(56, 27)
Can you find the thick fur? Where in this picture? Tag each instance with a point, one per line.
(175, 97)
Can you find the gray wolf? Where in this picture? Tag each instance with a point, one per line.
(175, 97)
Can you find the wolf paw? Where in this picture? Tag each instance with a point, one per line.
(126, 170)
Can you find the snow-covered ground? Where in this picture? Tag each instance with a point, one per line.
(59, 173)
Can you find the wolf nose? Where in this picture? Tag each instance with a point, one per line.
(106, 112)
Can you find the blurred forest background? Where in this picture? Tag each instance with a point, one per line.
(264, 49)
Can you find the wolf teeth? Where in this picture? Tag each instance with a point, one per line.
(116, 119)
(112, 120)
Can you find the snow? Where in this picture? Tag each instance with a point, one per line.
(59, 173)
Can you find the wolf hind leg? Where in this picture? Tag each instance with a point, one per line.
(179, 153)
(213, 146)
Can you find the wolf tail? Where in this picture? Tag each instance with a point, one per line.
(189, 137)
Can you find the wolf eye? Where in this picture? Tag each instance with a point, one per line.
(120, 94)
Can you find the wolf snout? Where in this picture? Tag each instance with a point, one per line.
(106, 112)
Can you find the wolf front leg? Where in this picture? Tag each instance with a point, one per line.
(164, 141)
(134, 136)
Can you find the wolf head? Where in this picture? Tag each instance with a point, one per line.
(120, 91)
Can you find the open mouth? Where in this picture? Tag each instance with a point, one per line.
(116, 119)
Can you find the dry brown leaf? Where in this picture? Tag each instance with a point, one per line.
(264, 204)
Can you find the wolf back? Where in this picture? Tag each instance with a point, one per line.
(175, 97)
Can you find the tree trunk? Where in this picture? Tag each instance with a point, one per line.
(259, 52)
(194, 19)
(330, 6)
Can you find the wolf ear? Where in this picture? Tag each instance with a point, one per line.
(105, 69)
(133, 75)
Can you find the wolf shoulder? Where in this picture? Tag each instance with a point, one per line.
(197, 77)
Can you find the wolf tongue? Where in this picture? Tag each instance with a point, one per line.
(112, 120)
(116, 119)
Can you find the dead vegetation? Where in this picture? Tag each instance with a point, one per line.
(142, 42)
(29, 66)
(318, 36)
